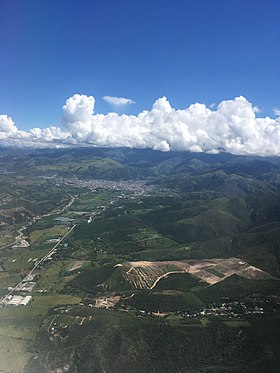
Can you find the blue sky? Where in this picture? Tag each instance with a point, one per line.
(190, 51)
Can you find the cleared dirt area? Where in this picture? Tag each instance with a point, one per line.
(108, 302)
(254, 273)
(146, 274)
(76, 265)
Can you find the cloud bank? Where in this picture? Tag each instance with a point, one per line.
(231, 127)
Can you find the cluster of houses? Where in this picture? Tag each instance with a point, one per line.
(228, 309)
(231, 309)
(26, 286)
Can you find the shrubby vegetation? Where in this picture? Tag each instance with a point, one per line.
(129, 344)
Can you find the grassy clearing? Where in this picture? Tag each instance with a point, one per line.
(22, 316)
(48, 233)
(151, 239)
(52, 279)
(237, 323)
(13, 361)
(7, 279)
(17, 328)
(23, 261)
(48, 301)
(12, 331)
(28, 324)
(145, 234)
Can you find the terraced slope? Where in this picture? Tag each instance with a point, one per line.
(146, 274)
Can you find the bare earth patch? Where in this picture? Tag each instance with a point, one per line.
(146, 274)
(109, 302)
(76, 265)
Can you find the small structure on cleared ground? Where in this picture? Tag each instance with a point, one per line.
(17, 300)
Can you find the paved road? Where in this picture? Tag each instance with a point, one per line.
(55, 212)
(37, 264)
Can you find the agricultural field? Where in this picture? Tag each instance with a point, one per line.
(148, 275)
(53, 278)
(19, 325)
(47, 234)
(18, 328)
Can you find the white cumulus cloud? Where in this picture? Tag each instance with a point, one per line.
(118, 101)
(276, 111)
(77, 116)
(233, 126)
(7, 126)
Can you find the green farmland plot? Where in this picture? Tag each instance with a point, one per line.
(18, 327)
(56, 231)
(19, 262)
